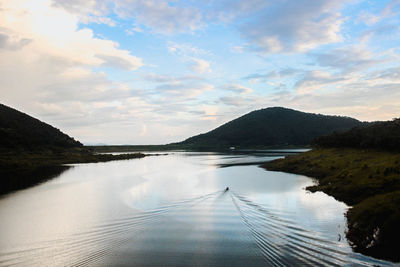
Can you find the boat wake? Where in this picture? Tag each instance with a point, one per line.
(221, 228)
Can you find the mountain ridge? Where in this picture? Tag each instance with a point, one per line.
(273, 126)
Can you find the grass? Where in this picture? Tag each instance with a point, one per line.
(368, 180)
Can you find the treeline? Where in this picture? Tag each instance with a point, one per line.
(22, 132)
(378, 135)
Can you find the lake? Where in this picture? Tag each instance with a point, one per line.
(173, 210)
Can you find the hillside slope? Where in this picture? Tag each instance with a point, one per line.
(32, 151)
(21, 131)
(383, 135)
(274, 126)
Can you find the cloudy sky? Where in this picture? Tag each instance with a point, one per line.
(159, 71)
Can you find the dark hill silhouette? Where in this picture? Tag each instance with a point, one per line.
(383, 135)
(275, 126)
(21, 131)
(32, 151)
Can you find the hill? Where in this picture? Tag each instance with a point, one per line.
(32, 151)
(21, 131)
(275, 126)
(379, 135)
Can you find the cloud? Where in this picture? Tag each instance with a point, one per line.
(200, 65)
(390, 75)
(143, 132)
(368, 18)
(190, 53)
(55, 67)
(12, 42)
(348, 59)
(88, 10)
(127, 62)
(392, 8)
(316, 80)
(272, 75)
(160, 15)
(284, 26)
(158, 78)
(175, 92)
(369, 95)
(186, 50)
(54, 32)
(234, 101)
(48, 64)
(237, 49)
(294, 26)
(237, 88)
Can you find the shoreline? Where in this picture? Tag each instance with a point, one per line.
(366, 180)
(21, 170)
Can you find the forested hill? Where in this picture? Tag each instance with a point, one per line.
(23, 132)
(275, 126)
(379, 135)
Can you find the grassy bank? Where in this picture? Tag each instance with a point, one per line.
(20, 169)
(369, 181)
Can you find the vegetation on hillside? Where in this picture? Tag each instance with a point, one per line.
(32, 151)
(379, 135)
(22, 132)
(270, 127)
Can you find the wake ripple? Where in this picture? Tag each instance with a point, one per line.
(284, 243)
(221, 228)
(89, 246)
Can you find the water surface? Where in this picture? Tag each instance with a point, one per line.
(172, 210)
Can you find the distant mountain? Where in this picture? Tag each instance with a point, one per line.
(272, 127)
(21, 131)
(383, 135)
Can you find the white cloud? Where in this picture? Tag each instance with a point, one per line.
(275, 74)
(316, 80)
(52, 64)
(10, 41)
(186, 50)
(88, 10)
(143, 132)
(160, 15)
(349, 59)
(237, 88)
(391, 9)
(158, 78)
(234, 101)
(237, 49)
(363, 95)
(368, 18)
(200, 65)
(176, 91)
(46, 66)
(54, 32)
(125, 62)
(294, 26)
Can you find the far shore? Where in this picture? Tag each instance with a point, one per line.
(21, 169)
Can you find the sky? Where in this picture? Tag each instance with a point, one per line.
(160, 71)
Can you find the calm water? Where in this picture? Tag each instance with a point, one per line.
(172, 210)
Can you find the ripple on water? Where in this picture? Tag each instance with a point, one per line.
(222, 228)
